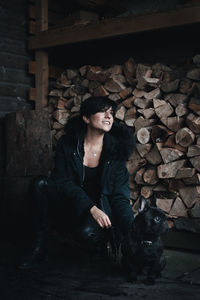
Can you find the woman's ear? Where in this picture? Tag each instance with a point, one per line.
(86, 120)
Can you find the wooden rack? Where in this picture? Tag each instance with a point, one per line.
(45, 37)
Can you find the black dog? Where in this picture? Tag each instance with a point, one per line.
(142, 248)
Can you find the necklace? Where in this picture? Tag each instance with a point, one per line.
(94, 154)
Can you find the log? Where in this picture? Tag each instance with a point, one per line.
(193, 123)
(129, 68)
(181, 110)
(150, 176)
(143, 149)
(173, 123)
(141, 122)
(195, 161)
(170, 154)
(185, 137)
(162, 109)
(143, 135)
(154, 156)
(146, 191)
(193, 150)
(160, 133)
(185, 173)
(142, 103)
(176, 99)
(169, 170)
(147, 113)
(139, 176)
(178, 209)
(154, 94)
(189, 194)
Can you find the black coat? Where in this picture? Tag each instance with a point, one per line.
(69, 173)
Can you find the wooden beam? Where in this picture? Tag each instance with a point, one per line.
(54, 72)
(115, 27)
(41, 79)
(41, 15)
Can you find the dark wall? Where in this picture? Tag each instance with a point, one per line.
(14, 58)
(14, 79)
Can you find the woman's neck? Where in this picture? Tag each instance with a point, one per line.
(94, 138)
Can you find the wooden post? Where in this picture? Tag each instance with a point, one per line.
(41, 57)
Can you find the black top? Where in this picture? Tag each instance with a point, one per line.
(91, 183)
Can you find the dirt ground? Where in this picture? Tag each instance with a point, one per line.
(71, 274)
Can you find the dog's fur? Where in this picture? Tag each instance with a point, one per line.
(142, 247)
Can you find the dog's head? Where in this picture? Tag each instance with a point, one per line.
(150, 222)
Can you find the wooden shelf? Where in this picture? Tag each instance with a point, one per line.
(114, 27)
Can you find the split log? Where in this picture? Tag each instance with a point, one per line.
(154, 94)
(169, 170)
(141, 122)
(195, 161)
(139, 176)
(143, 149)
(176, 99)
(194, 104)
(128, 103)
(193, 150)
(154, 156)
(189, 194)
(181, 110)
(159, 133)
(146, 191)
(142, 103)
(129, 68)
(173, 123)
(150, 176)
(164, 204)
(61, 116)
(169, 87)
(162, 109)
(120, 113)
(170, 154)
(170, 142)
(193, 123)
(178, 208)
(185, 137)
(143, 135)
(147, 113)
(185, 173)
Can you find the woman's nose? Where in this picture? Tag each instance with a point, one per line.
(107, 114)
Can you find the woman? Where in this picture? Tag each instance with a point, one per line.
(91, 179)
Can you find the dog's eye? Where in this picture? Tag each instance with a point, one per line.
(157, 219)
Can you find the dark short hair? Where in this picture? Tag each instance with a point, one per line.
(93, 105)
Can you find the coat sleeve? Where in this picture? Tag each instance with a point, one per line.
(120, 201)
(66, 178)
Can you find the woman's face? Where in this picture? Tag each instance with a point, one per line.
(101, 120)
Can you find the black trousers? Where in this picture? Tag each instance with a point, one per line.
(47, 206)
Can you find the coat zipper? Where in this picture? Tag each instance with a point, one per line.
(83, 173)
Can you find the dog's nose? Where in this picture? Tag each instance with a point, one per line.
(157, 219)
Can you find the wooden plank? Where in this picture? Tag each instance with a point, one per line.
(41, 79)
(115, 27)
(41, 15)
(54, 72)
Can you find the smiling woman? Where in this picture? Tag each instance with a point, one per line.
(90, 183)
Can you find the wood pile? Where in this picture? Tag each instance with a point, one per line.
(162, 106)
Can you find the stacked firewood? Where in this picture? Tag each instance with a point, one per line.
(162, 106)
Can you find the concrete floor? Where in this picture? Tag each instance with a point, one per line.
(72, 275)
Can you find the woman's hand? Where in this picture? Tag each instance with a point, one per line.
(100, 217)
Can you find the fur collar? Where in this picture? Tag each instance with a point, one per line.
(118, 143)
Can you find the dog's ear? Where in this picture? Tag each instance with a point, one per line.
(143, 204)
